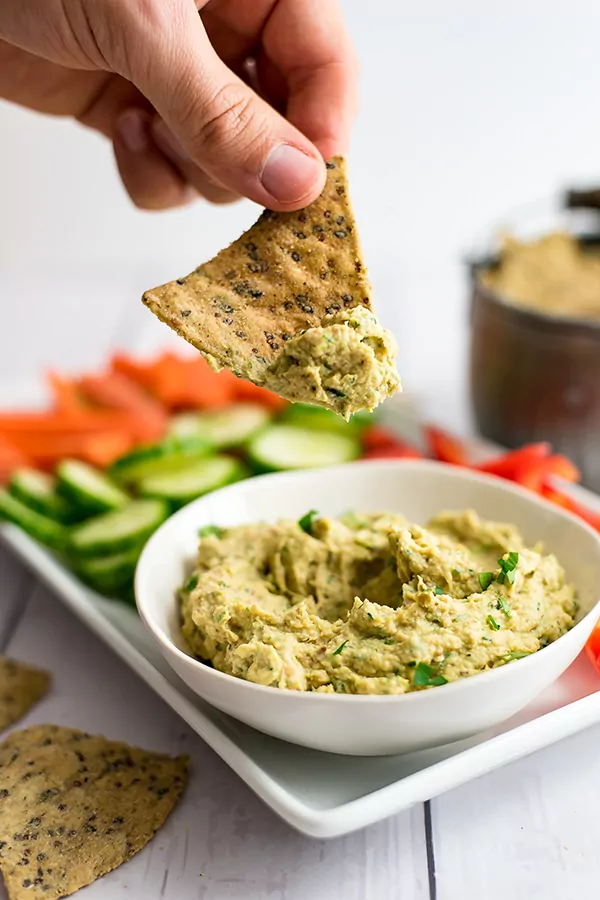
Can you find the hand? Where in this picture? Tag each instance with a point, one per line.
(219, 98)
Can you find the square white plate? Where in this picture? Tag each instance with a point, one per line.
(320, 794)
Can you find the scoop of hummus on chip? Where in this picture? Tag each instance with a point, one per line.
(288, 306)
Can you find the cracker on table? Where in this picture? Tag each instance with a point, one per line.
(74, 806)
(21, 686)
(288, 273)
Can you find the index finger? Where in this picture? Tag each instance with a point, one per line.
(307, 41)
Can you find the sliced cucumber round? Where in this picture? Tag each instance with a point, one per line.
(307, 415)
(89, 488)
(44, 529)
(37, 490)
(231, 427)
(154, 458)
(120, 530)
(193, 480)
(290, 447)
(108, 574)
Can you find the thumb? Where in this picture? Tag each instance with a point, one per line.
(233, 135)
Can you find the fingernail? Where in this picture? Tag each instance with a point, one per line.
(168, 143)
(289, 174)
(132, 128)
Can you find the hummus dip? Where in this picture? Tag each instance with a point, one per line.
(347, 364)
(554, 274)
(371, 604)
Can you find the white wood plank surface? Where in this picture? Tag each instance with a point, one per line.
(527, 832)
(221, 841)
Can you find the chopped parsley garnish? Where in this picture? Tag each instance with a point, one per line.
(439, 591)
(506, 573)
(208, 530)
(427, 676)
(456, 571)
(507, 568)
(485, 579)
(503, 605)
(192, 583)
(306, 521)
(492, 623)
(339, 649)
(517, 654)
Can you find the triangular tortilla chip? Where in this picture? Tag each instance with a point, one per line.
(290, 272)
(21, 686)
(74, 806)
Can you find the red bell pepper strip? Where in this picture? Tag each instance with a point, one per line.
(561, 499)
(510, 464)
(561, 467)
(398, 450)
(592, 648)
(446, 448)
(535, 473)
(377, 437)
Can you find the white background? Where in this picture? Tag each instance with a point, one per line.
(469, 109)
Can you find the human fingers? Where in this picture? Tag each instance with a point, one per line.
(224, 127)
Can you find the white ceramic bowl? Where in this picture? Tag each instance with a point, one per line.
(358, 724)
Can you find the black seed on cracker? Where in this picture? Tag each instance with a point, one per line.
(85, 817)
(277, 273)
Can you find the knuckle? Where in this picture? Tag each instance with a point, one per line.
(231, 120)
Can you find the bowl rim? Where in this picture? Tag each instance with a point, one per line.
(410, 696)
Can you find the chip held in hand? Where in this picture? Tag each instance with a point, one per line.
(288, 306)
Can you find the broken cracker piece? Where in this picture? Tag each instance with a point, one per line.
(74, 806)
(274, 307)
(21, 686)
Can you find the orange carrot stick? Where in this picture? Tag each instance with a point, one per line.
(115, 391)
(65, 394)
(245, 391)
(11, 459)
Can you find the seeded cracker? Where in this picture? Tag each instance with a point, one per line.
(21, 686)
(276, 307)
(74, 806)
